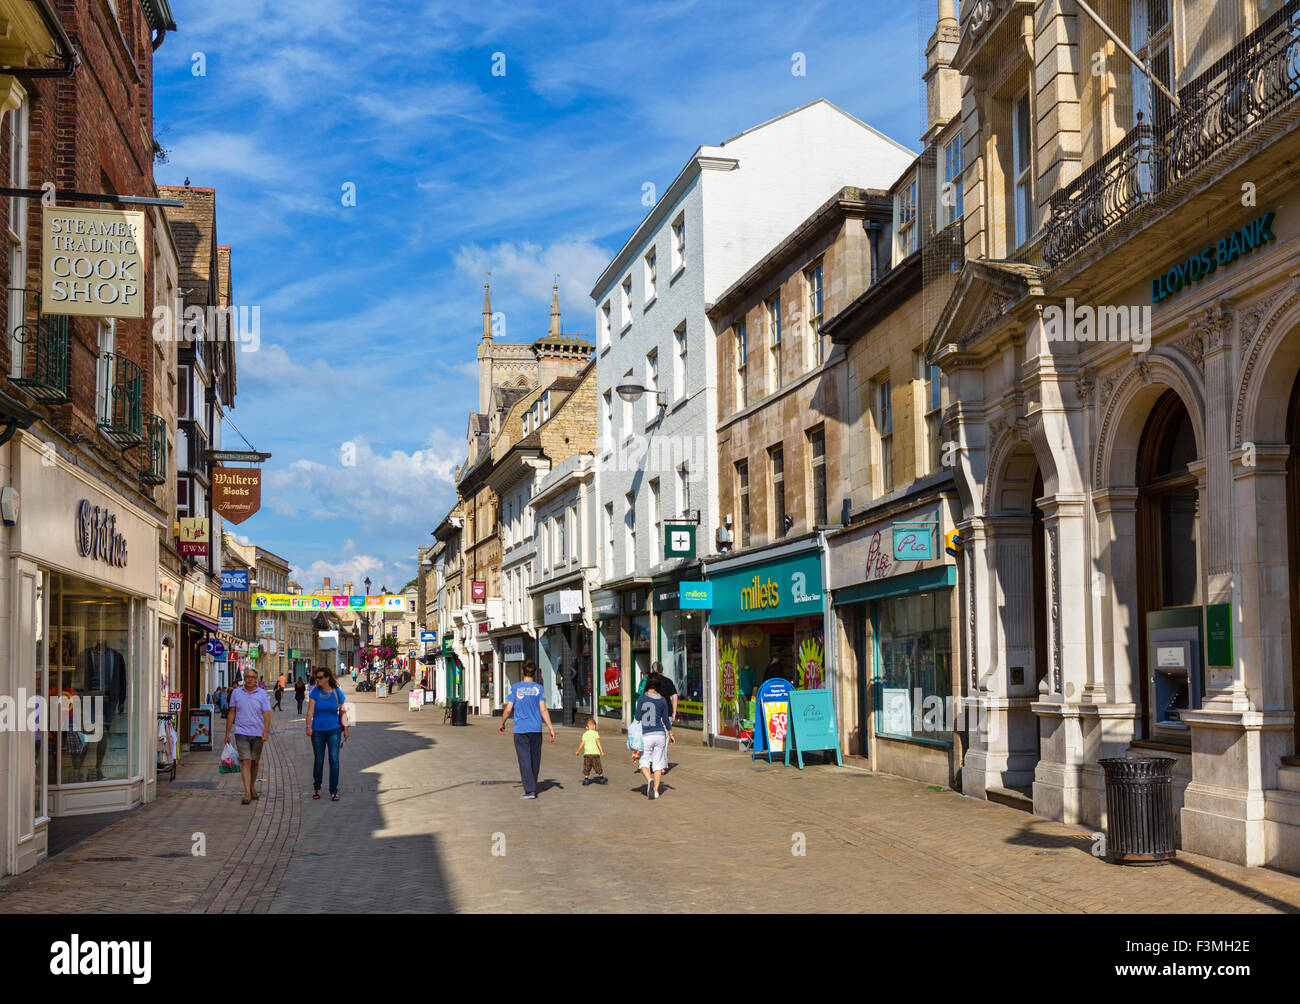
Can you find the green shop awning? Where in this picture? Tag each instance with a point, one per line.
(925, 580)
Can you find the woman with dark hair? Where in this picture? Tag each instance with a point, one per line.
(326, 728)
(655, 716)
(299, 692)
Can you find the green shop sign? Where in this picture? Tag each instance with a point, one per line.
(1204, 262)
(790, 587)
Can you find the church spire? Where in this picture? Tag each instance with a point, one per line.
(555, 309)
(487, 311)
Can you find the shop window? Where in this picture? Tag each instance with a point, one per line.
(750, 654)
(913, 668)
(681, 650)
(609, 684)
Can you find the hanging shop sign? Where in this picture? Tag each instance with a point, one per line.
(679, 540)
(226, 619)
(448, 646)
(216, 649)
(605, 603)
(695, 595)
(789, 587)
(97, 535)
(429, 637)
(478, 591)
(236, 492)
(562, 606)
(812, 725)
(266, 626)
(93, 262)
(512, 650)
(194, 534)
(254, 652)
(1204, 262)
(234, 580)
(914, 541)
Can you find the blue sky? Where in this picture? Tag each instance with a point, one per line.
(370, 314)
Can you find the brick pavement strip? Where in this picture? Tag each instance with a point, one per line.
(431, 821)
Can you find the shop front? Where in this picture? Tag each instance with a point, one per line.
(767, 620)
(512, 650)
(896, 605)
(81, 601)
(681, 651)
(606, 612)
(564, 651)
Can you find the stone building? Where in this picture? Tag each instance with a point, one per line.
(1121, 358)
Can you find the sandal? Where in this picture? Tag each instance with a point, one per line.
(317, 794)
(334, 798)
(245, 800)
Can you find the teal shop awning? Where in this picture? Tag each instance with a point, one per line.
(925, 580)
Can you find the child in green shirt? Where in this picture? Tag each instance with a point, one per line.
(591, 752)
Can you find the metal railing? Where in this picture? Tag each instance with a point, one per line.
(121, 416)
(156, 443)
(40, 347)
(1243, 91)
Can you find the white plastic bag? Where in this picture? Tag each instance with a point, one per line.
(634, 740)
(229, 760)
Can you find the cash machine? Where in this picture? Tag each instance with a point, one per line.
(1174, 654)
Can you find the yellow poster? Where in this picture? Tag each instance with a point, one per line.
(777, 724)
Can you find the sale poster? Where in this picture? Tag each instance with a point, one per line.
(778, 724)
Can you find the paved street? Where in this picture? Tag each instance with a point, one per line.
(425, 806)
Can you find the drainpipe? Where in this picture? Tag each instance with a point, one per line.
(830, 637)
(68, 52)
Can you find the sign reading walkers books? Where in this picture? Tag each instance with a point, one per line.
(771, 718)
(812, 725)
(236, 492)
(679, 540)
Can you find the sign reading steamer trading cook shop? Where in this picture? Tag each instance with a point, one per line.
(92, 262)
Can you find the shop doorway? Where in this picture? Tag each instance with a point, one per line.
(1293, 549)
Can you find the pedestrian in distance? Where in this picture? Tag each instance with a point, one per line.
(591, 752)
(653, 713)
(527, 701)
(326, 729)
(300, 692)
(251, 722)
(279, 693)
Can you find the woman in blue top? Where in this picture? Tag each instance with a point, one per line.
(653, 713)
(325, 728)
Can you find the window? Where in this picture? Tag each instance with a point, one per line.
(18, 140)
(562, 548)
(742, 503)
(609, 539)
(776, 459)
(572, 517)
(527, 416)
(537, 414)
(742, 364)
(627, 302)
(933, 415)
(684, 490)
(104, 369)
(183, 496)
(1022, 146)
(627, 409)
(656, 516)
(184, 382)
(951, 192)
(651, 277)
(885, 428)
(651, 385)
(607, 420)
(679, 244)
(815, 305)
(546, 406)
(1149, 33)
(774, 342)
(679, 363)
(906, 214)
(605, 310)
(629, 522)
(817, 464)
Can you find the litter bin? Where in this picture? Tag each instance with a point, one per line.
(1139, 809)
(460, 712)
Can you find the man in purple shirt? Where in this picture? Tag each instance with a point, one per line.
(251, 721)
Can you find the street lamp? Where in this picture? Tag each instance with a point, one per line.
(367, 613)
(631, 393)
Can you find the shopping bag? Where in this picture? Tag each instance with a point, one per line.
(229, 760)
(634, 741)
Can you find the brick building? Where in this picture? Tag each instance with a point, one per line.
(83, 421)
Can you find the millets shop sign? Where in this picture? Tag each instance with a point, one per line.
(93, 262)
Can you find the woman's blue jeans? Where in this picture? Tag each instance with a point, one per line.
(319, 742)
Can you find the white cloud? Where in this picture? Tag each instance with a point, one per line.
(528, 269)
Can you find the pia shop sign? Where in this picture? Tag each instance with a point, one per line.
(97, 536)
(92, 262)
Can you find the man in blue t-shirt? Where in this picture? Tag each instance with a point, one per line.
(528, 702)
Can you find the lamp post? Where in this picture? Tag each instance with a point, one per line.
(366, 610)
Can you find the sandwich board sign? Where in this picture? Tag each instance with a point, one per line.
(812, 725)
(771, 718)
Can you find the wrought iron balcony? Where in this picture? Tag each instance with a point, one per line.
(121, 416)
(40, 346)
(156, 444)
(1234, 100)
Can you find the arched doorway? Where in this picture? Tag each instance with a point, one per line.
(1293, 547)
(1171, 653)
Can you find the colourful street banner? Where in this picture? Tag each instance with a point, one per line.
(294, 601)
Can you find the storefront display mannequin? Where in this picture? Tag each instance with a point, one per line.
(103, 669)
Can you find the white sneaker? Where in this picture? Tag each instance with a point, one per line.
(654, 795)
